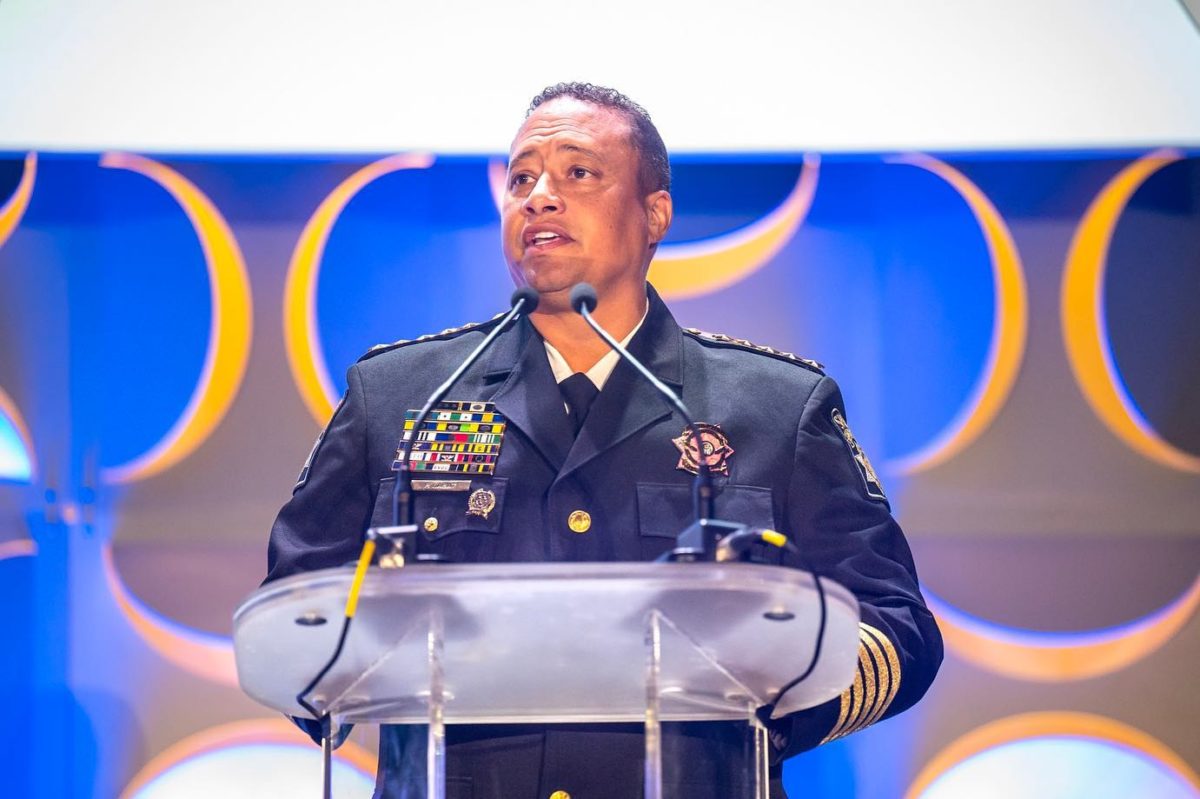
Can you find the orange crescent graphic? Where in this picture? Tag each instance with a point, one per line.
(694, 269)
(680, 271)
(10, 216)
(8, 410)
(14, 208)
(241, 733)
(18, 548)
(229, 330)
(1058, 657)
(203, 654)
(1009, 328)
(1083, 325)
(305, 355)
(1048, 724)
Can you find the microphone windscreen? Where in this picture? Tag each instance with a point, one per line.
(527, 293)
(583, 296)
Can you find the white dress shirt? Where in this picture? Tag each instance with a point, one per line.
(600, 372)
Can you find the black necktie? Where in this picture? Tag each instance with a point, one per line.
(579, 391)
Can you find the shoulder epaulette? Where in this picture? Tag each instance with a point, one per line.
(730, 341)
(449, 332)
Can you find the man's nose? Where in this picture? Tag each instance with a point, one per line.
(543, 199)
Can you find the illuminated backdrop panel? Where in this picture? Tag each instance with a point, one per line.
(175, 332)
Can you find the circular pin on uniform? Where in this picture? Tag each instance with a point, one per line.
(580, 521)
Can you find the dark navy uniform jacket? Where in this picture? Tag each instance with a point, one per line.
(794, 468)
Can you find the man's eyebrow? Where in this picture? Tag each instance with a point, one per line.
(574, 148)
(528, 151)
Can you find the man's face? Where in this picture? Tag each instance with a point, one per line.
(574, 210)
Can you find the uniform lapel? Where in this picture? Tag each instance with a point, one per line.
(529, 398)
(628, 403)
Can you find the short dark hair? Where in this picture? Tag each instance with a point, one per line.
(655, 170)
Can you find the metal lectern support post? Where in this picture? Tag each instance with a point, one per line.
(435, 758)
(327, 765)
(653, 778)
(762, 757)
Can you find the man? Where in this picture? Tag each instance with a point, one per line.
(593, 465)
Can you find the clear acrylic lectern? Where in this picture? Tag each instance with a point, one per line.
(551, 643)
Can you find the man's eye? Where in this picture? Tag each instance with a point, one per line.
(579, 172)
(519, 180)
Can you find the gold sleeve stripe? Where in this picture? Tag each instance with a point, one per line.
(885, 680)
(869, 651)
(851, 705)
(862, 708)
(893, 669)
(866, 665)
(856, 700)
(843, 713)
(875, 684)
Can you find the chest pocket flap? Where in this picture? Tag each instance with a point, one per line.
(665, 509)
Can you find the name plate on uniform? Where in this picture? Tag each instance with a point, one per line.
(457, 438)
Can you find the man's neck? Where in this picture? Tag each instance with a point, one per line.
(579, 345)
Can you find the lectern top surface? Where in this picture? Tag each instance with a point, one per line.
(548, 642)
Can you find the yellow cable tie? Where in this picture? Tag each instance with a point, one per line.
(774, 538)
(360, 572)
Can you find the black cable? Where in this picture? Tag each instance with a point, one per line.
(816, 656)
(821, 617)
(323, 718)
(765, 713)
(365, 556)
(739, 542)
(302, 697)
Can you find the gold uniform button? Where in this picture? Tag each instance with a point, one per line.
(560, 794)
(431, 524)
(580, 521)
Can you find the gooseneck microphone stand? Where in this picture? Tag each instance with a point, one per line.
(707, 538)
(524, 300)
(402, 533)
(584, 301)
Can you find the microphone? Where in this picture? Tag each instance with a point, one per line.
(583, 298)
(584, 301)
(523, 301)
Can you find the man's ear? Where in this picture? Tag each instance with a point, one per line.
(659, 210)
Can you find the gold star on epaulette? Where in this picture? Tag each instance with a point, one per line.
(721, 338)
(450, 331)
(875, 684)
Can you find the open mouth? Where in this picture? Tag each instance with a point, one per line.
(545, 239)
